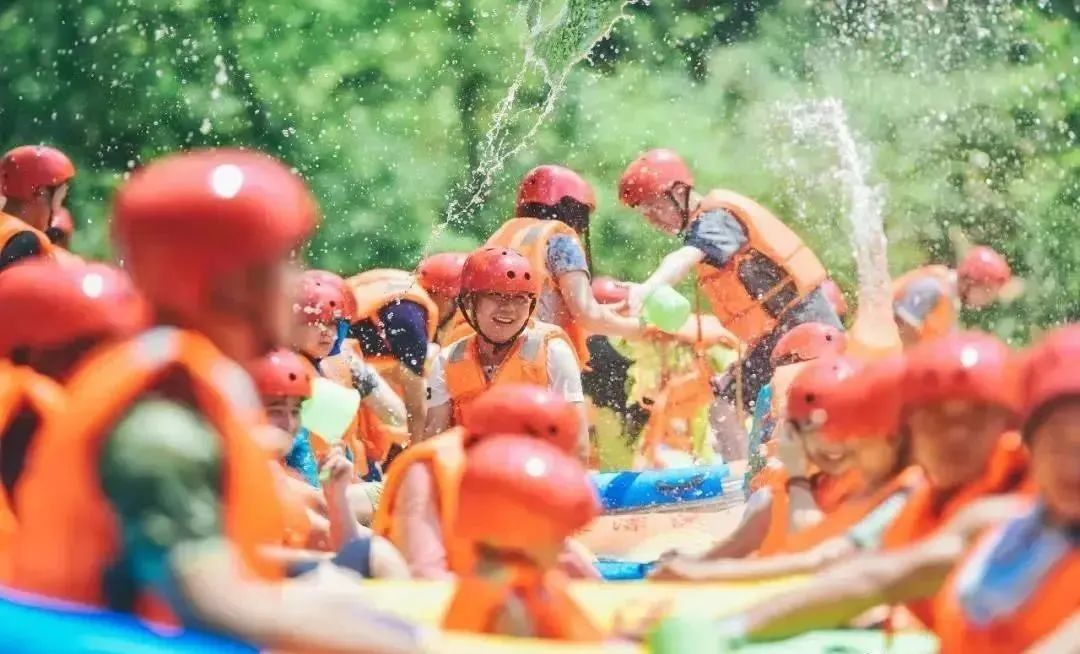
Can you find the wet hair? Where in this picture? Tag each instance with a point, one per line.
(568, 211)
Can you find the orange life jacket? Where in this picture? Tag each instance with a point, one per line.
(68, 534)
(829, 494)
(554, 614)
(444, 457)
(19, 387)
(530, 237)
(455, 330)
(1055, 601)
(740, 311)
(526, 362)
(10, 226)
(374, 290)
(850, 513)
(924, 513)
(943, 318)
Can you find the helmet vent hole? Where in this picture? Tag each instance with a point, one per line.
(528, 276)
(811, 398)
(292, 376)
(511, 274)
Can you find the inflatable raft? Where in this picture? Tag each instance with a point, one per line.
(33, 626)
(677, 489)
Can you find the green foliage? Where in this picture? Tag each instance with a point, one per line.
(970, 114)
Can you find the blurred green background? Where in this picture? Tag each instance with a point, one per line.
(967, 111)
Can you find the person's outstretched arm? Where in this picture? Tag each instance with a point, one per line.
(161, 472)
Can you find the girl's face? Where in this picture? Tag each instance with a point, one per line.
(831, 457)
(954, 440)
(877, 458)
(501, 317)
(283, 412)
(1055, 460)
(315, 339)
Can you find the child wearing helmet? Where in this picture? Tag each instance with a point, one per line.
(33, 183)
(551, 218)
(498, 296)
(50, 318)
(420, 502)
(520, 500)
(927, 300)
(760, 278)
(1003, 573)
(323, 305)
(859, 406)
(150, 492)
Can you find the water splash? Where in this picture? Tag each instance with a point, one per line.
(827, 121)
(551, 49)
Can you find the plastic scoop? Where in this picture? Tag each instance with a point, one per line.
(330, 410)
(666, 309)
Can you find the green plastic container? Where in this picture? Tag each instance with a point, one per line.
(330, 410)
(666, 309)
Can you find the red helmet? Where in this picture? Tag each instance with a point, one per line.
(608, 290)
(441, 273)
(30, 168)
(1048, 370)
(963, 366)
(845, 398)
(518, 493)
(498, 270)
(46, 305)
(651, 175)
(810, 340)
(323, 296)
(984, 266)
(835, 297)
(548, 185)
(283, 373)
(189, 218)
(525, 409)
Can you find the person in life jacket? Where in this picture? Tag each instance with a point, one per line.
(51, 317)
(552, 214)
(440, 276)
(498, 296)
(962, 394)
(316, 521)
(420, 503)
(396, 322)
(927, 300)
(1003, 573)
(154, 488)
(760, 278)
(861, 410)
(814, 477)
(323, 303)
(34, 182)
(520, 500)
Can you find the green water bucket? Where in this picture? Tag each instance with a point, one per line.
(330, 410)
(666, 309)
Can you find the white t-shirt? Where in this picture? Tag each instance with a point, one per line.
(564, 374)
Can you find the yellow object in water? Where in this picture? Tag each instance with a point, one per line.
(612, 606)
